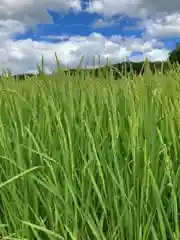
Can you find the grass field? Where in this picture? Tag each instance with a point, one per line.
(92, 159)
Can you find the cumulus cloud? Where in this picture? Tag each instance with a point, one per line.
(158, 54)
(166, 26)
(9, 27)
(137, 44)
(22, 56)
(160, 19)
(31, 12)
(112, 7)
(139, 8)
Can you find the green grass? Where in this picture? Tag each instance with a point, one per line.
(91, 159)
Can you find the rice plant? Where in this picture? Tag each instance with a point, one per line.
(92, 159)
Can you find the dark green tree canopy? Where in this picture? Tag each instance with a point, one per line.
(174, 56)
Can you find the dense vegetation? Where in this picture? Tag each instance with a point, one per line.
(93, 159)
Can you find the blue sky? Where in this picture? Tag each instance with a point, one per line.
(73, 28)
(81, 24)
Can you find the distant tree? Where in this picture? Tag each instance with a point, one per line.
(174, 56)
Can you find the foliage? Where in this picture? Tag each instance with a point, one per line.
(174, 56)
(93, 159)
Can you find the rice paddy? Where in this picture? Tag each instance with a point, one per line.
(90, 159)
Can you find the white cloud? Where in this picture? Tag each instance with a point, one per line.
(159, 18)
(137, 44)
(32, 12)
(9, 28)
(22, 56)
(153, 55)
(139, 8)
(158, 54)
(112, 7)
(167, 26)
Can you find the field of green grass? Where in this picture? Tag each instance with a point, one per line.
(91, 159)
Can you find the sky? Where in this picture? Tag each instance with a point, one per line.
(113, 29)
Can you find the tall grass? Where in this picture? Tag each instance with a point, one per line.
(92, 159)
